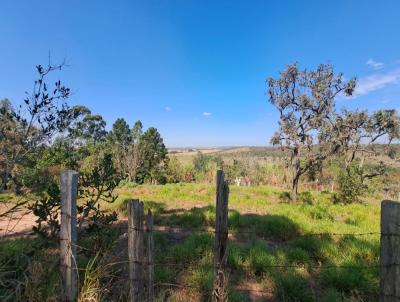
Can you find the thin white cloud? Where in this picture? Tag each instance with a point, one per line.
(376, 82)
(374, 64)
(207, 113)
(167, 108)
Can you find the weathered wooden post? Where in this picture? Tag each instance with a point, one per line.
(135, 250)
(390, 252)
(220, 288)
(68, 235)
(150, 257)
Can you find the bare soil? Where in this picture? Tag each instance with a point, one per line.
(16, 224)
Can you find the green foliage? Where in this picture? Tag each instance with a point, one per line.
(96, 185)
(306, 103)
(174, 170)
(284, 196)
(153, 153)
(234, 170)
(138, 156)
(43, 114)
(350, 185)
(86, 127)
(306, 197)
(201, 162)
(47, 209)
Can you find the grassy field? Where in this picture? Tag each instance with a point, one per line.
(272, 255)
(274, 251)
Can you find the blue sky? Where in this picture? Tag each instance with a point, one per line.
(196, 70)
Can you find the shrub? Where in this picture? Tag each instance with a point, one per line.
(350, 185)
(96, 184)
(306, 197)
(284, 196)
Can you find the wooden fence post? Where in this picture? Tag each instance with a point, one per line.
(68, 236)
(135, 250)
(150, 257)
(220, 288)
(390, 252)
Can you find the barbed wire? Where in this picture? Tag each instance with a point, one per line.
(261, 291)
(257, 232)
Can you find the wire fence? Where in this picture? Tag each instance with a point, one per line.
(181, 264)
(139, 260)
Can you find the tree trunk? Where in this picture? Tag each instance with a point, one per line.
(3, 186)
(294, 189)
(296, 172)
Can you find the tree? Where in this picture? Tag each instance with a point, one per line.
(134, 158)
(306, 103)
(126, 148)
(154, 153)
(175, 172)
(359, 133)
(201, 162)
(86, 127)
(9, 140)
(120, 138)
(42, 115)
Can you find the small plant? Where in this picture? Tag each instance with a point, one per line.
(47, 209)
(284, 196)
(306, 197)
(91, 289)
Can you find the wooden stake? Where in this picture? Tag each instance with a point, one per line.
(390, 252)
(150, 257)
(135, 250)
(220, 290)
(68, 235)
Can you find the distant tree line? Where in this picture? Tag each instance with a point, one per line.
(44, 134)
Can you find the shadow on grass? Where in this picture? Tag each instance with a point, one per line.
(290, 266)
(281, 264)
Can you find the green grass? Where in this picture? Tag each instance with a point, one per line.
(271, 247)
(275, 251)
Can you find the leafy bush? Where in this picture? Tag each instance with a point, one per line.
(284, 196)
(306, 197)
(350, 185)
(95, 185)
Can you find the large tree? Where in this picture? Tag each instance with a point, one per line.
(86, 126)
(154, 153)
(134, 157)
(120, 138)
(306, 103)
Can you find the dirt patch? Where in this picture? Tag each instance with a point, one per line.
(16, 224)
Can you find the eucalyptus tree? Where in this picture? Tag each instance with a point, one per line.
(134, 158)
